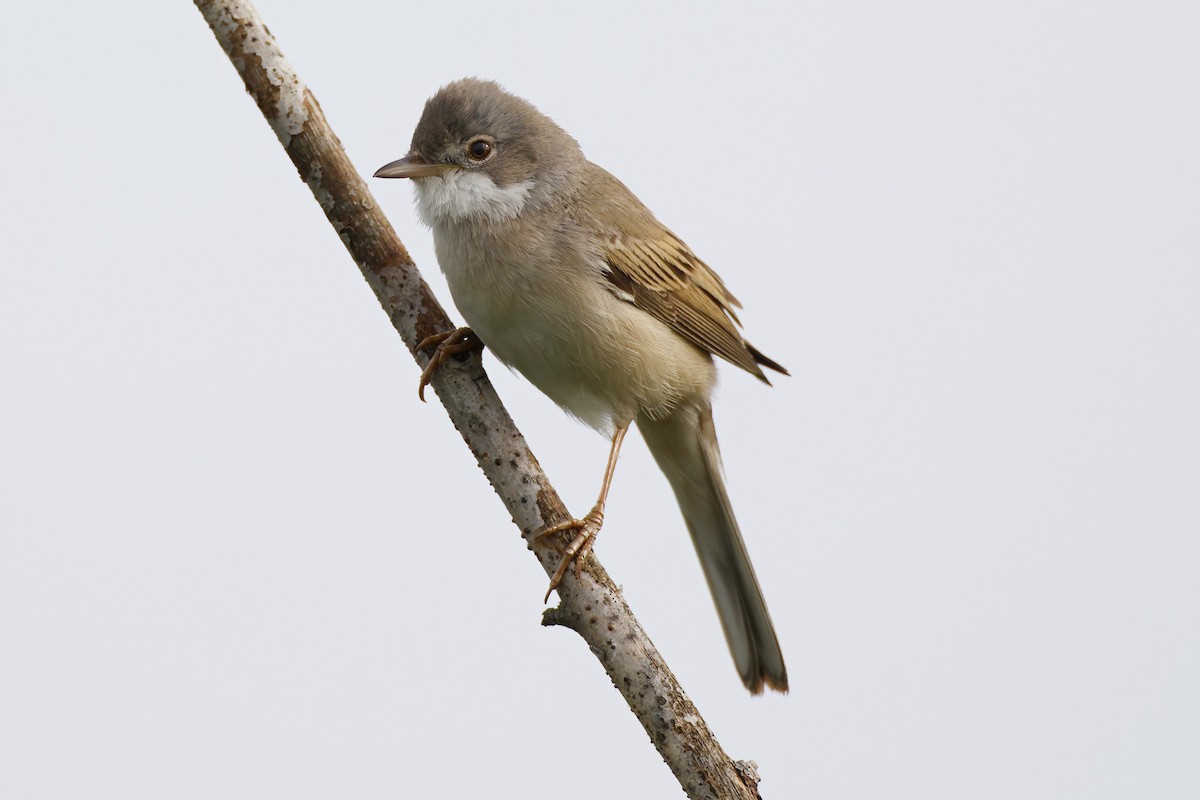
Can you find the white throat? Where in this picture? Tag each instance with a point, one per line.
(461, 195)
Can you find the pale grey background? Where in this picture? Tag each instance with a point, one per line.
(239, 559)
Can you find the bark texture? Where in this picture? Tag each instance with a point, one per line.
(593, 607)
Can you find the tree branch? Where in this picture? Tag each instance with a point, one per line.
(593, 607)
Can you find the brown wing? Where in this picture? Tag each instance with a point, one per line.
(656, 271)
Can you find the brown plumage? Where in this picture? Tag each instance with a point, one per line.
(654, 269)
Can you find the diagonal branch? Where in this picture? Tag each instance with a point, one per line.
(593, 607)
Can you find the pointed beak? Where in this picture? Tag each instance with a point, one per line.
(412, 166)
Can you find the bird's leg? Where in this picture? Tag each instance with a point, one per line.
(449, 343)
(589, 526)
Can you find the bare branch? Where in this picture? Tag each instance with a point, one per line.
(593, 607)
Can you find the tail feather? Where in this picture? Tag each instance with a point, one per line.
(685, 447)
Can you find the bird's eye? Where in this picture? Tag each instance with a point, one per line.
(479, 149)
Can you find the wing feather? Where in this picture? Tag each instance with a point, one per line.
(663, 276)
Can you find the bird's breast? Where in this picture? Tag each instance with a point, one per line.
(540, 303)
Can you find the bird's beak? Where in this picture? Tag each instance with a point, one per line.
(412, 166)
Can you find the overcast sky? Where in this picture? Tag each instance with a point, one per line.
(238, 558)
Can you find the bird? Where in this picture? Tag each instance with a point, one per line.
(567, 278)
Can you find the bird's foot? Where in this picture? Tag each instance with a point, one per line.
(579, 548)
(449, 343)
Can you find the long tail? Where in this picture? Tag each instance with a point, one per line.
(685, 447)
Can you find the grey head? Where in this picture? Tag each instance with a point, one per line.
(476, 139)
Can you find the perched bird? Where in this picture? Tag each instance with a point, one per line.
(566, 277)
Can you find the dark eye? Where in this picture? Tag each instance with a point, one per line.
(479, 149)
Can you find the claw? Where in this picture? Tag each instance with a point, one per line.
(579, 547)
(449, 343)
